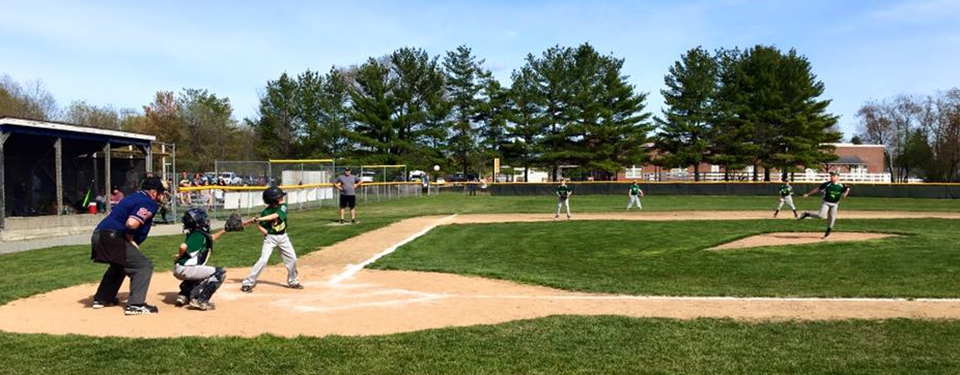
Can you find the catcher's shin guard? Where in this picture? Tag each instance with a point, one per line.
(212, 284)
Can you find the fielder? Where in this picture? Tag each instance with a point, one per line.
(347, 184)
(563, 198)
(786, 196)
(833, 192)
(273, 225)
(199, 281)
(635, 194)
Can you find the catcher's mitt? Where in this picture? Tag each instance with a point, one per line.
(234, 223)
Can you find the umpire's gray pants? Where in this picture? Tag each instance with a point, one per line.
(561, 202)
(788, 200)
(827, 210)
(287, 254)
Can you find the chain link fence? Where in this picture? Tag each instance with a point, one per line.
(239, 186)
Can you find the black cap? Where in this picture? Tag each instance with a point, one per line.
(152, 183)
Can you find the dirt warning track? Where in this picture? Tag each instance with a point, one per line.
(341, 297)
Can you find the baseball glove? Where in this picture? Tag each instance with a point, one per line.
(234, 223)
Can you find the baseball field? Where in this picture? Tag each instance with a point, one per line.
(481, 285)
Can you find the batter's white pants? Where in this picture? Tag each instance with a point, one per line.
(287, 254)
(561, 202)
(788, 200)
(827, 210)
(634, 198)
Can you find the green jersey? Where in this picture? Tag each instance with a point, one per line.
(563, 191)
(279, 225)
(635, 189)
(199, 245)
(832, 192)
(786, 190)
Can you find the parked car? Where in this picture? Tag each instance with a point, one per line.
(457, 177)
(231, 178)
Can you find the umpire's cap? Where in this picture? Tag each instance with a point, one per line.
(152, 183)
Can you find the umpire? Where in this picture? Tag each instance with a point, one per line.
(116, 241)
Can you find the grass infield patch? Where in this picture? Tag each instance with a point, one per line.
(666, 258)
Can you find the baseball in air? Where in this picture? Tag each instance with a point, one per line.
(436, 168)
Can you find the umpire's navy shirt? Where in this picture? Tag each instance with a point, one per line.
(138, 206)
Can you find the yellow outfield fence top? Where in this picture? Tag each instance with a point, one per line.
(284, 187)
(384, 166)
(295, 161)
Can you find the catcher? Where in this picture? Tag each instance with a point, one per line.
(200, 281)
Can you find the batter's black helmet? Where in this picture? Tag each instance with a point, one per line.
(272, 195)
(196, 219)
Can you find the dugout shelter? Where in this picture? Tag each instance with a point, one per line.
(51, 168)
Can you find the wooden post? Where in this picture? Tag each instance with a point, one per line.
(3, 188)
(106, 172)
(58, 151)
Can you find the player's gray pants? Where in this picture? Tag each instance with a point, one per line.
(203, 280)
(287, 254)
(788, 200)
(561, 202)
(827, 210)
(634, 198)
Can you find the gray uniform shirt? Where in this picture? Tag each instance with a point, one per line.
(348, 184)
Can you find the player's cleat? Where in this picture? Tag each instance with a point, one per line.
(568, 217)
(246, 289)
(295, 286)
(795, 215)
(181, 300)
(827, 234)
(102, 304)
(775, 213)
(341, 221)
(803, 216)
(203, 306)
(556, 217)
(353, 221)
(143, 309)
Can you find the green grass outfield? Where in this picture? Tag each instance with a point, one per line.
(667, 257)
(553, 345)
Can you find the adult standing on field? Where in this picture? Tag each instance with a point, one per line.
(833, 192)
(116, 241)
(563, 193)
(347, 185)
(635, 194)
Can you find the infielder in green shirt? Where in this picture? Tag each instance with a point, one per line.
(833, 192)
(786, 196)
(635, 194)
(563, 198)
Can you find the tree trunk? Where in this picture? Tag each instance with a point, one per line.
(696, 172)
(766, 174)
(756, 173)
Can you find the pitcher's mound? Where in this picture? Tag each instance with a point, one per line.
(797, 238)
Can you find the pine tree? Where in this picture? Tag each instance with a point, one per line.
(686, 131)
(463, 87)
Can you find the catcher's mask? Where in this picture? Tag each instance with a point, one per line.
(272, 195)
(196, 219)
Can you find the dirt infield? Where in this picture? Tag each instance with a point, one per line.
(343, 298)
(797, 238)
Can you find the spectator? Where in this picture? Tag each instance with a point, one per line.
(115, 196)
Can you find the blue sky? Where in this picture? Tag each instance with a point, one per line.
(120, 53)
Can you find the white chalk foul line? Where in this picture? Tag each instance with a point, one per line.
(354, 268)
(705, 298)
